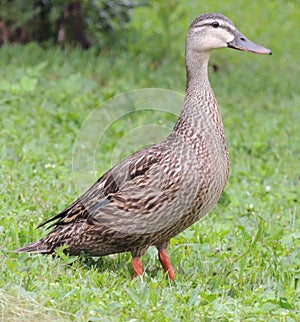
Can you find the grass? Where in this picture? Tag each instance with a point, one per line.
(241, 262)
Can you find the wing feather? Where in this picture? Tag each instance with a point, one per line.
(103, 190)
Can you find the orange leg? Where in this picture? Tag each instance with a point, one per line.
(166, 264)
(137, 266)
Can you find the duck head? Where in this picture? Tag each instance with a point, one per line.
(213, 30)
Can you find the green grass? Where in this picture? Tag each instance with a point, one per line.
(242, 261)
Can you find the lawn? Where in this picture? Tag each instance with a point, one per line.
(242, 261)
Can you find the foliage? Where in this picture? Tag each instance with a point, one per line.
(241, 262)
(103, 19)
(108, 16)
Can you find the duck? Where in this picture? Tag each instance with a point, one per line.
(161, 190)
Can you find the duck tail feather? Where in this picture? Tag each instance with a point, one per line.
(38, 247)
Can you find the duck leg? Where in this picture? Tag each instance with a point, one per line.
(137, 266)
(165, 260)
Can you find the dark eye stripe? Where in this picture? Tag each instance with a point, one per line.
(226, 27)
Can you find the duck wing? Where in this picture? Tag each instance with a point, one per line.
(137, 188)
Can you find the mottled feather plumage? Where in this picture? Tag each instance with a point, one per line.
(156, 193)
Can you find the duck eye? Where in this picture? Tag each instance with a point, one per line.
(215, 24)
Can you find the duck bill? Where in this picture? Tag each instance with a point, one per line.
(240, 42)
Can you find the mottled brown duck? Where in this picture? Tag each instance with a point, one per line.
(161, 190)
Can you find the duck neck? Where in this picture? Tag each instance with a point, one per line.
(196, 65)
(200, 109)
